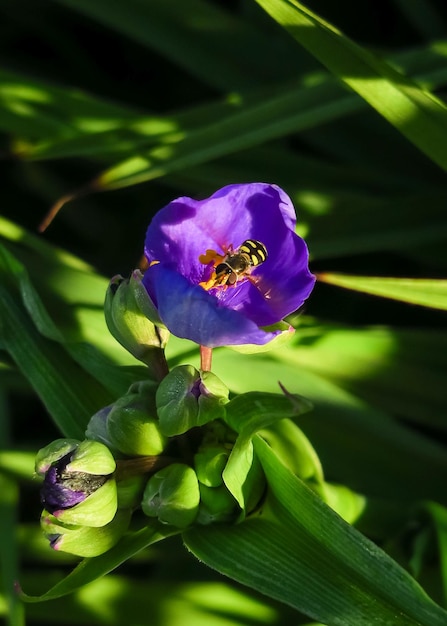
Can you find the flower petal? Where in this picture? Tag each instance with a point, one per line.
(56, 495)
(182, 232)
(194, 314)
(282, 284)
(186, 228)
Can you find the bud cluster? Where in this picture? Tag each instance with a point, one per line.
(160, 449)
(173, 450)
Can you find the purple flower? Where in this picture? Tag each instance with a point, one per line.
(203, 290)
(63, 489)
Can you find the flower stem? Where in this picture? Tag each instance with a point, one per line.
(206, 355)
(126, 468)
(157, 362)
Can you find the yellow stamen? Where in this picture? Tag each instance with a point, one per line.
(211, 256)
(210, 283)
(153, 263)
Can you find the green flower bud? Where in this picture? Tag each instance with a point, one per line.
(78, 486)
(96, 510)
(209, 463)
(172, 495)
(97, 427)
(254, 485)
(128, 312)
(132, 424)
(84, 541)
(216, 505)
(187, 398)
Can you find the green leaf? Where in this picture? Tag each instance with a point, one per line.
(211, 43)
(416, 113)
(352, 223)
(423, 291)
(300, 552)
(322, 101)
(38, 110)
(17, 464)
(253, 120)
(95, 567)
(9, 502)
(74, 295)
(424, 17)
(251, 412)
(72, 291)
(68, 392)
(401, 371)
(296, 108)
(438, 514)
(123, 599)
(295, 451)
(345, 430)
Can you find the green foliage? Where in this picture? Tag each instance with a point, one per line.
(345, 110)
(329, 554)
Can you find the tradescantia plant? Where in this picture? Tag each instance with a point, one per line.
(175, 454)
(181, 417)
(174, 434)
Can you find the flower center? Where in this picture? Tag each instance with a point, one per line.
(234, 266)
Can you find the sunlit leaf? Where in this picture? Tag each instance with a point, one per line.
(423, 291)
(299, 547)
(124, 599)
(344, 429)
(416, 113)
(95, 567)
(9, 502)
(196, 36)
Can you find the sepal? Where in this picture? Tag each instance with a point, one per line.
(187, 398)
(52, 453)
(130, 317)
(285, 333)
(210, 462)
(172, 495)
(92, 457)
(98, 509)
(84, 541)
(216, 505)
(132, 425)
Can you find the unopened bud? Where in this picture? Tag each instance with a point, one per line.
(216, 505)
(129, 311)
(97, 427)
(172, 495)
(209, 463)
(132, 424)
(78, 486)
(187, 398)
(85, 541)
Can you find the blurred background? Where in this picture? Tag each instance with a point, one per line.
(154, 99)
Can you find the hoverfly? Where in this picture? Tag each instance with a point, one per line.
(236, 265)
